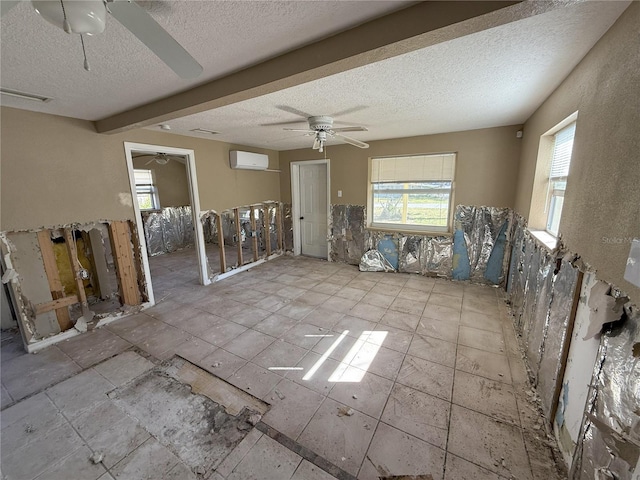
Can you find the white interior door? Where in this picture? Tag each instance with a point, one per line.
(313, 210)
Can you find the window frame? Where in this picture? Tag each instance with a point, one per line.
(554, 192)
(445, 230)
(147, 189)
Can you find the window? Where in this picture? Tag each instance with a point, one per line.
(146, 190)
(560, 160)
(412, 192)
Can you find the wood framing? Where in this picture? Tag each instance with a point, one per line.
(236, 218)
(267, 230)
(279, 226)
(53, 277)
(59, 304)
(254, 234)
(223, 257)
(75, 264)
(125, 266)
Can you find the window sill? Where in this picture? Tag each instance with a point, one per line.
(408, 231)
(545, 239)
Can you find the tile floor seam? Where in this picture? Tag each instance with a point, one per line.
(517, 399)
(453, 383)
(379, 420)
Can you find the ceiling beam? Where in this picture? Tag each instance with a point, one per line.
(403, 31)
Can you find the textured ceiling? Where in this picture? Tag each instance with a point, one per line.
(494, 77)
(223, 36)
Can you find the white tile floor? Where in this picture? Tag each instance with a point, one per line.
(444, 393)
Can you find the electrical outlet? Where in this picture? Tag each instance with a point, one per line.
(339, 193)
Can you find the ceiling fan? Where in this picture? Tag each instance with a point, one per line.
(159, 158)
(88, 17)
(321, 127)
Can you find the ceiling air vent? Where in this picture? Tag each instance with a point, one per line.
(203, 130)
(24, 95)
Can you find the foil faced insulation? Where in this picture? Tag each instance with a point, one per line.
(482, 233)
(609, 444)
(374, 261)
(347, 233)
(287, 225)
(169, 230)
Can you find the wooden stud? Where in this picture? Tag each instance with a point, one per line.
(58, 304)
(75, 264)
(123, 256)
(137, 257)
(279, 226)
(267, 230)
(236, 216)
(254, 236)
(223, 257)
(53, 276)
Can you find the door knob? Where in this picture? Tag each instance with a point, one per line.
(301, 218)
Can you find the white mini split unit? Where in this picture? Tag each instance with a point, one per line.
(239, 160)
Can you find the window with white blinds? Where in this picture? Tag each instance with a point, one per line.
(560, 162)
(146, 190)
(412, 192)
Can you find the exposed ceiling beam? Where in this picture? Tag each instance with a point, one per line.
(413, 28)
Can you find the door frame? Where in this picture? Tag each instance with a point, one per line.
(194, 197)
(295, 202)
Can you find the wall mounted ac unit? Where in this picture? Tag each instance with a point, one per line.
(239, 160)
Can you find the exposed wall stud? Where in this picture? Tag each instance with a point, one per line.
(254, 234)
(279, 225)
(223, 257)
(267, 230)
(75, 264)
(53, 276)
(123, 256)
(236, 216)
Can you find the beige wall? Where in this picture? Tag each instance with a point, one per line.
(57, 170)
(486, 168)
(602, 202)
(171, 181)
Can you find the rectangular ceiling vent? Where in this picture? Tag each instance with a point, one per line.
(239, 160)
(204, 130)
(24, 95)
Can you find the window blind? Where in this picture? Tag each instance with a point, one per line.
(417, 168)
(143, 177)
(562, 147)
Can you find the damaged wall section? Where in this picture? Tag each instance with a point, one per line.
(549, 293)
(478, 251)
(71, 277)
(243, 235)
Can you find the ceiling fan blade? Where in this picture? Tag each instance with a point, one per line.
(295, 111)
(352, 141)
(305, 130)
(276, 124)
(6, 5)
(350, 110)
(350, 129)
(316, 144)
(157, 39)
(150, 161)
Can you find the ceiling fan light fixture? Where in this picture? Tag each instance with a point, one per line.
(74, 16)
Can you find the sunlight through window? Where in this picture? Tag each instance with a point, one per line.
(324, 356)
(358, 360)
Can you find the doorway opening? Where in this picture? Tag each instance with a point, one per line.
(164, 188)
(311, 195)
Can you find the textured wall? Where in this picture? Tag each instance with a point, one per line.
(486, 168)
(57, 170)
(602, 203)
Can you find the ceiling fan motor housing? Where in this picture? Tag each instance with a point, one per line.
(322, 123)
